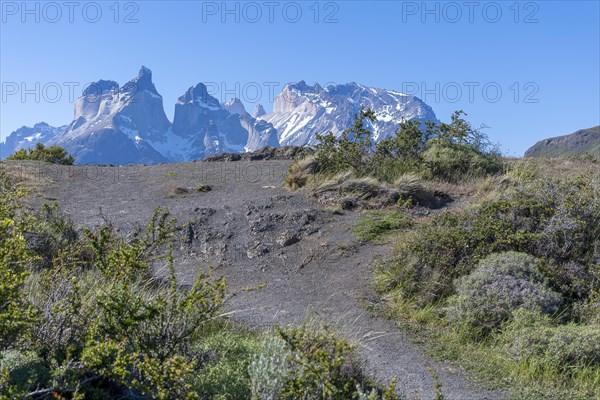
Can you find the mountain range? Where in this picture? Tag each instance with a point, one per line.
(125, 124)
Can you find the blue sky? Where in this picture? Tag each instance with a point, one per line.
(528, 70)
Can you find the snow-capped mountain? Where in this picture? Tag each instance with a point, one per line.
(301, 111)
(116, 125)
(208, 127)
(26, 137)
(127, 124)
(258, 111)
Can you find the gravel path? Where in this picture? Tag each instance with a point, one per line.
(303, 261)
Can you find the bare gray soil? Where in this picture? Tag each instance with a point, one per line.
(287, 259)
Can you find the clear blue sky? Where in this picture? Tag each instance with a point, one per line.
(544, 56)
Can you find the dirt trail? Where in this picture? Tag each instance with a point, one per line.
(304, 259)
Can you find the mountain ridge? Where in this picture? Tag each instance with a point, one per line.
(127, 124)
(583, 141)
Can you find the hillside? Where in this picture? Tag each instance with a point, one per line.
(584, 141)
(301, 258)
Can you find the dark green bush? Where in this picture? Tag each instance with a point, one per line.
(529, 220)
(351, 151)
(500, 284)
(321, 366)
(52, 154)
(20, 371)
(15, 311)
(447, 151)
(115, 329)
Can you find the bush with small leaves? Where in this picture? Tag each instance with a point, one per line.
(269, 370)
(16, 314)
(115, 329)
(429, 258)
(457, 161)
(351, 151)
(500, 284)
(533, 337)
(19, 371)
(52, 154)
(322, 366)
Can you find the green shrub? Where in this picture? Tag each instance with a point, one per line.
(118, 328)
(269, 370)
(456, 161)
(323, 366)
(535, 338)
(556, 222)
(20, 371)
(447, 151)
(227, 351)
(15, 312)
(52, 154)
(500, 284)
(351, 151)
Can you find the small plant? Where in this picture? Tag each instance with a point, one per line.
(299, 172)
(351, 151)
(378, 223)
(500, 284)
(52, 154)
(269, 370)
(535, 338)
(203, 188)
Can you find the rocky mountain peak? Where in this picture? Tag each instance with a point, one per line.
(127, 124)
(302, 111)
(235, 106)
(143, 82)
(258, 111)
(199, 96)
(100, 87)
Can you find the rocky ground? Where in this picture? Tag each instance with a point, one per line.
(288, 260)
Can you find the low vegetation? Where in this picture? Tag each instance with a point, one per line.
(353, 170)
(89, 314)
(52, 154)
(377, 224)
(507, 283)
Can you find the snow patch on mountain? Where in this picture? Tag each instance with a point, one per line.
(301, 111)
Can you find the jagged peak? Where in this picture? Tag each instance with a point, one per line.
(145, 71)
(258, 111)
(235, 106)
(100, 87)
(303, 87)
(232, 101)
(143, 81)
(199, 94)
